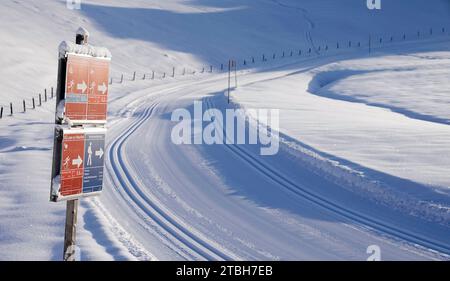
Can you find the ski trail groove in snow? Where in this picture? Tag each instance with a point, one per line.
(346, 213)
(304, 13)
(177, 230)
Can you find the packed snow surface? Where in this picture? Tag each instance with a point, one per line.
(364, 154)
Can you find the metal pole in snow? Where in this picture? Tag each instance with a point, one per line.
(70, 230)
(229, 79)
(235, 73)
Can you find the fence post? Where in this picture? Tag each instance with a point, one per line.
(164, 75)
(52, 93)
(291, 53)
(121, 79)
(40, 100)
(11, 108)
(1, 112)
(45, 95)
(273, 56)
(153, 74)
(173, 71)
(235, 73)
(404, 36)
(221, 66)
(34, 103)
(229, 79)
(24, 107)
(210, 68)
(245, 62)
(134, 76)
(283, 54)
(143, 78)
(253, 60)
(337, 45)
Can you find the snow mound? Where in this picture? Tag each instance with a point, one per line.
(89, 50)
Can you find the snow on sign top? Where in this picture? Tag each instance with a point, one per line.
(83, 31)
(89, 50)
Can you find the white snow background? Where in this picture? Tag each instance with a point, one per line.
(375, 126)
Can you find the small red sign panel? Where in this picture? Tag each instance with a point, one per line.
(72, 164)
(86, 88)
(98, 90)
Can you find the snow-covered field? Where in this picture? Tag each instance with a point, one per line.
(364, 155)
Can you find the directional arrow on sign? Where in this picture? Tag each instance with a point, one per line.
(82, 87)
(99, 153)
(102, 88)
(78, 161)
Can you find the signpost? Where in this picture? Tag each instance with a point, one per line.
(79, 143)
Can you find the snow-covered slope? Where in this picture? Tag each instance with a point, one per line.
(201, 202)
(158, 35)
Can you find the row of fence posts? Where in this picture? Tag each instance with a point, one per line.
(33, 103)
(274, 56)
(164, 74)
(264, 58)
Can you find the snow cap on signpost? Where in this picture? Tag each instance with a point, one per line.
(81, 47)
(82, 36)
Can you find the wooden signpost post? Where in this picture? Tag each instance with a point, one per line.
(79, 143)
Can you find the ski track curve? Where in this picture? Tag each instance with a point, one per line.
(199, 245)
(299, 190)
